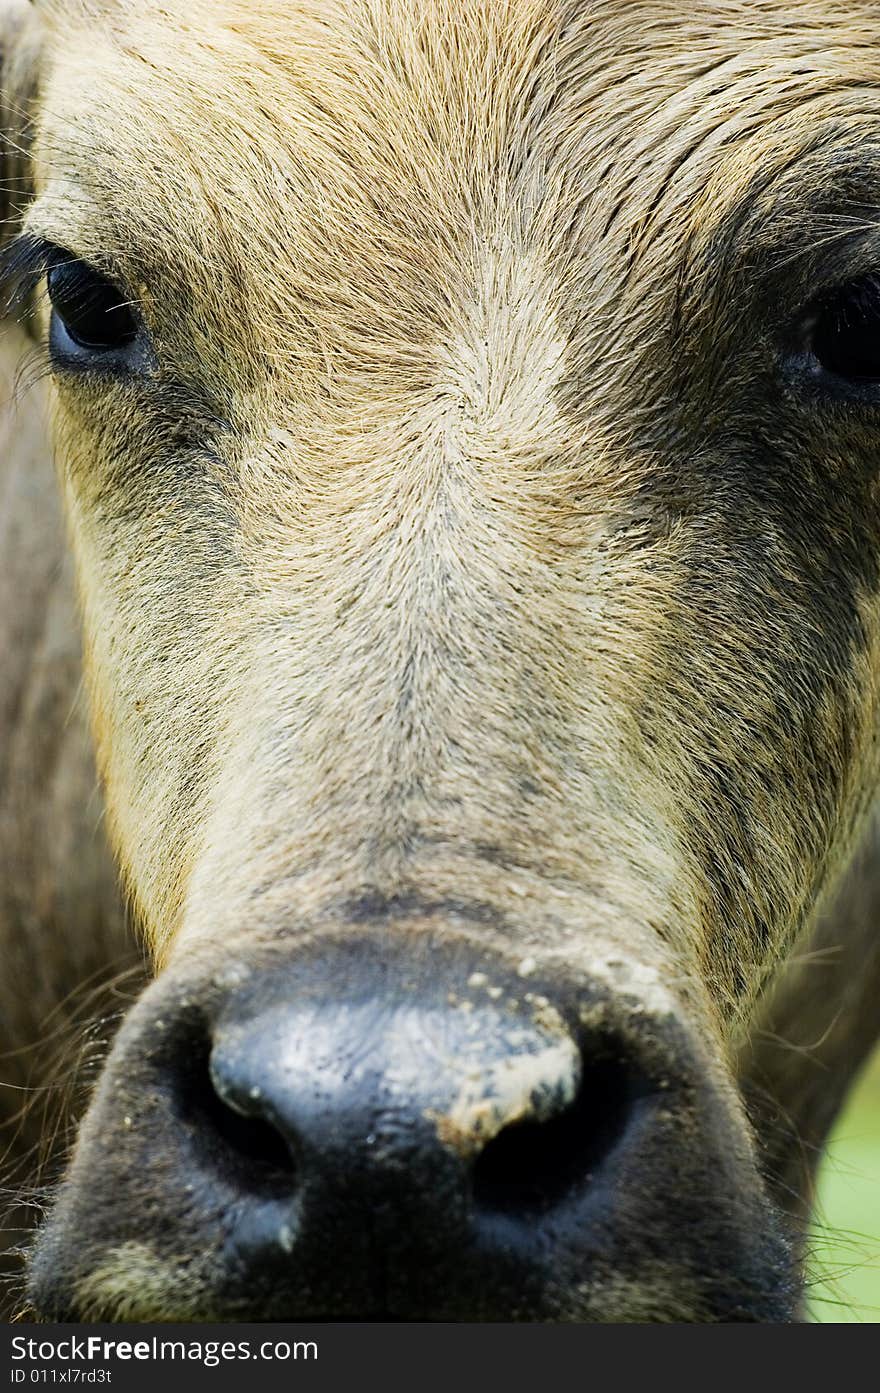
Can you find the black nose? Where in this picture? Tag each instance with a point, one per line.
(366, 1141)
(452, 1112)
(398, 1128)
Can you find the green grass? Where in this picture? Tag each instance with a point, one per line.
(845, 1268)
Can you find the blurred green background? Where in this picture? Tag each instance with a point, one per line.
(844, 1271)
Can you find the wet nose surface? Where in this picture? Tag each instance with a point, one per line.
(419, 1127)
(451, 1110)
(332, 1077)
(389, 1134)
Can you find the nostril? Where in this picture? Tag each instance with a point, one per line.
(533, 1166)
(252, 1144)
(239, 1143)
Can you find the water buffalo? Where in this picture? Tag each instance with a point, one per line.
(467, 420)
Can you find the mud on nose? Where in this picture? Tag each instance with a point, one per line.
(461, 1109)
(361, 1132)
(395, 1129)
(399, 1123)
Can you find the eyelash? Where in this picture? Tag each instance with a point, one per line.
(23, 265)
(94, 326)
(28, 262)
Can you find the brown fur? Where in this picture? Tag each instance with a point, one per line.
(463, 548)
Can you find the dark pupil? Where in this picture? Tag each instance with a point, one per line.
(93, 309)
(846, 338)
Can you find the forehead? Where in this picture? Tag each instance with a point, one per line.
(378, 151)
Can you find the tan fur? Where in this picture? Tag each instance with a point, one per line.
(373, 602)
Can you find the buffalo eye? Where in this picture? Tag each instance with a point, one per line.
(845, 331)
(90, 315)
